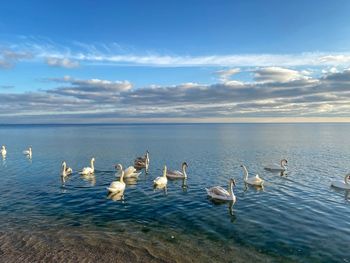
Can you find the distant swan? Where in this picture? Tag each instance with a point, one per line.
(177, 174)
(161, 180)
(219, 193)
(277, 168)
(343, 184)
(117, 186)
(257, 181)
(89, 170)
(129, 172)
(3, 151)
(142, 162)
(66, 170)
(28, 152)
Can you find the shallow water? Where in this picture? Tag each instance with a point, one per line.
(297, 217)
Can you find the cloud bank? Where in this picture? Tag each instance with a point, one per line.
(274, 92)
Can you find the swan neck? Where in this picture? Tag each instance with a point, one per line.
(92, 164)
(64, 169)
(245, 171)
(230, 189)
(184, 171)
(164, 172)
(122, 177)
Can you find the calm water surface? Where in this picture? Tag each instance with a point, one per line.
(297, 217)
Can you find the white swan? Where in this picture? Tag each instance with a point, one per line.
(257, 181)
(142, 162)
(177, 174)
(343, 184)
(129, 172)
(161, 180)
(117, 186)
(28, 152)
(277, 168)
(3, 151)
(219, 193)
(66, 170)
(89, 170)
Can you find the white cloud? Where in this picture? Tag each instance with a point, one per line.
(113, 54)
(335, 59)
(278, 74)
(9, 57)
(62, 62)
(224, 75)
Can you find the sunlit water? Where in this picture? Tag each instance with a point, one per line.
(297, 217)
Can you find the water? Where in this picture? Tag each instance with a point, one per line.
(297, 217)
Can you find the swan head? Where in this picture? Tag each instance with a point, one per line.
(284, 162)
(119, 167)
(3, 147)
(184, 164)
(347, 178)
(64, 163)
(92, 159)
(233, 182)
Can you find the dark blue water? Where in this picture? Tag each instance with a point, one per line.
(297, 217)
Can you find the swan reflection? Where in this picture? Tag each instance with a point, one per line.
(184, 185)
(230, 205)
(161, 187)
(90, 178)
(116, 196)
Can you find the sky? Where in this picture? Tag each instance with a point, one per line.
(174, 61)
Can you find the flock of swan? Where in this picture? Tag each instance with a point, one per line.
(216, 192)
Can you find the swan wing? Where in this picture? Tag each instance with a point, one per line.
(160, 180)
(87, 170)
(116, 186)
(218, 191)
(274, 167)
(129, 170)
(174, 174)
(139, 164)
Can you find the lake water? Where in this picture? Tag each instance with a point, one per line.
(296, 218)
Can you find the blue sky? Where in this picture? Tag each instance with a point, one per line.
(91, 60)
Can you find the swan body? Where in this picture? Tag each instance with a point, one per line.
(219, 193)
(142, 162)
(129, 172)
(342, 184)
(66, 170)
(161, 180)
(256, 180)
(117, 186)
(28, 152)
(3, 151)
(177, 174)
(89, 170)
(277, 167)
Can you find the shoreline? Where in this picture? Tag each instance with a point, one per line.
(71, 245)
